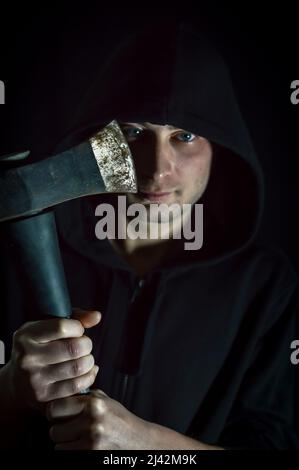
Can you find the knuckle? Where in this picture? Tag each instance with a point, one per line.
(102, 406)
(73, 348)
(78, 347)
(62, 327)
(67, 326)
(97, 407)
(40, 393)
(76, 386)
(25, 363)
(22, 338)
(35, 382)
(91, 408)
(96, 431)
(77, 367)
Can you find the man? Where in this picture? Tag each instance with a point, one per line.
(192, 346)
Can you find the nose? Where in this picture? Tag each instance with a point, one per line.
(157, 163)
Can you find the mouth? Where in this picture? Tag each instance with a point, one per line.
(154, 195)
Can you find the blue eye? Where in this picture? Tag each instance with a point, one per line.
(185, 137)
(132, 132)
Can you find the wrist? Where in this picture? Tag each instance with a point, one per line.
(163, 438)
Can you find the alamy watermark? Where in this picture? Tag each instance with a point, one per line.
(2, 92)
(2, 353)
(294, 357)
(294, 97)
(156, 221)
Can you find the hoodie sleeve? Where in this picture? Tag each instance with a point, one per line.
(262, 416)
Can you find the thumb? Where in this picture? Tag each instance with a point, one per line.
(88, 318)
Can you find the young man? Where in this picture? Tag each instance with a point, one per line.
(193, 346)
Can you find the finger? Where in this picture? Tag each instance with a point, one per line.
(67, 388)
(70, 430)
(88, 318)
(68, 369)
(63, 350)
(50, 330)
(66, 407)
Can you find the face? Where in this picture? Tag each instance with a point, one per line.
(172, 164)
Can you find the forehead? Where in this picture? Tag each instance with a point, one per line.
(151, 125)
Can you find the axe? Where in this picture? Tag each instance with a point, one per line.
(102, 164)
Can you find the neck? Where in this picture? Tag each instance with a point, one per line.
(149, 251)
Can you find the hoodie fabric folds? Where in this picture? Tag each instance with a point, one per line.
(201, 344)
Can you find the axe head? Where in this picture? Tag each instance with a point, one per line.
(101, 164)
(114, 159)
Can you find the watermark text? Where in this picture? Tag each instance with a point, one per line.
(156, 221)
(294, 97)
(2, 92)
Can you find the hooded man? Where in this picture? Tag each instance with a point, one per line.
(193, 346)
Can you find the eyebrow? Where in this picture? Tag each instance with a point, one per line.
(143, 124)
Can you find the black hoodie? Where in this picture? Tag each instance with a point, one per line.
(202, 343)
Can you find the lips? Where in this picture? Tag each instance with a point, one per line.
(155, 195)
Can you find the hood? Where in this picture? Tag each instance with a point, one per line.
(173, 75)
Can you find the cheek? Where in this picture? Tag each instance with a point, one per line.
(195, 162)
(195, 171)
